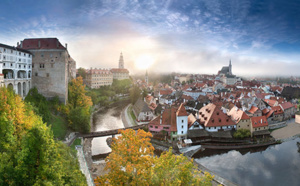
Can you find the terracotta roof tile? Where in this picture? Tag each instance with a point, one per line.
(211, 116)
(260, 121)
(277, 110)
(253, 109)
(181, 111)
(286, 105)
(41, 43)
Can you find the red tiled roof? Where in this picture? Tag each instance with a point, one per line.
(253, 109)
(165, 92)
(260, 121)
(237, 115)
(212, 116)
(168, 118)
(277, 110)
(191, 120)
(1, 74)
(41, 43)
(119, 70)
(186, 97)
(270, 102)
(181, 111)
(286, 105)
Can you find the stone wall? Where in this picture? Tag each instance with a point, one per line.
(50, 72)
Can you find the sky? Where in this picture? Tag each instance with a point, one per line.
(260, 37)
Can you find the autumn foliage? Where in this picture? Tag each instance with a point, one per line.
(28, 153)
(132, 162)
(79, 106)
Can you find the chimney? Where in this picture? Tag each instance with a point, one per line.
(57, 43)
(39, 44)
(260, 120)
(21, 44)
(17, 44)
(66, 46)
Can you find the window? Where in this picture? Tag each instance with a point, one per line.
(36, 74)
(156, 127)
(151, 126)
(42, 55)
(47, 74)
(42, 65)
(181, 121)
(32, 65)
(19, 66)
(182, 126)
(52, 65)
(181, 132)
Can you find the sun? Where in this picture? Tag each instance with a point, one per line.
(144, 61)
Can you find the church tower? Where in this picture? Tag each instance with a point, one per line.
(230, 70)
(146, 77)
(121, 61)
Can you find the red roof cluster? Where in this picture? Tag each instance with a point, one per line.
(286, 105)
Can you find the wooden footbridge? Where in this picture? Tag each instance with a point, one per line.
(110, 132)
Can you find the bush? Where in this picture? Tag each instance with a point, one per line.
(242, 133)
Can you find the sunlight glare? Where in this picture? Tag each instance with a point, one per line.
(144, 62)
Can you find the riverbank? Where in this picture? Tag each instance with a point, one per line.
(289, 132)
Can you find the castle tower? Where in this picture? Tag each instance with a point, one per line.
(230, 70)
(121, 61)
(146, 77)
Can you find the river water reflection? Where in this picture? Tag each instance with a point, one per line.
(105, 120)
(276, 165)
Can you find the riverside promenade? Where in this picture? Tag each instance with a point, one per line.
(291, 131)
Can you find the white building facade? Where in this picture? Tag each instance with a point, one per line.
(16, 67)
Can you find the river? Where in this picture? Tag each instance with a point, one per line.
(105, 120)
(275, 165)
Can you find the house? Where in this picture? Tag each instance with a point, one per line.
(241, 119)
(214, 119)
(259, 126)
(278, 113)
(174, 121)
(288, 109)
(142, 111)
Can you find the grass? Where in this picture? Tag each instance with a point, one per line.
(76, 142)
(58, 126)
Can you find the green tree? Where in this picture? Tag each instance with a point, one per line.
(79, 106)
(134, 94)
(82, 72)
(28, 153)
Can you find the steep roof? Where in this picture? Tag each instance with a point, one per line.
(181, 111)
(168, 117)
(277, 110)
(259, 121)
(191, 120)
(41, 43)
(211, 116)
(141, 106)
(286, 105)
(253, 109)
(237, 115)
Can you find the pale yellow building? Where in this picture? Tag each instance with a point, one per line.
(96, 78)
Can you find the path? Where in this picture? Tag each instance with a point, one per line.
(126, 119)
(292, 129)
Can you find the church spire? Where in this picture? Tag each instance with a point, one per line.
(121, 61)
(146, 77)
(230, 67)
